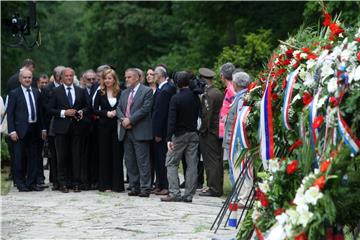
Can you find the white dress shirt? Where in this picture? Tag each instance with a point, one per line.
(26, 94)
(72, 92)
(162, 84)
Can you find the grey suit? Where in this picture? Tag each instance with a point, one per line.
(137, 139)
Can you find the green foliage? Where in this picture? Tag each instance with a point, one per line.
(5, 155)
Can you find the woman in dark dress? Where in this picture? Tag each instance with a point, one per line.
(111, 151)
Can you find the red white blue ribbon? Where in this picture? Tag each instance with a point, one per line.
(313, 112)
(266, 127)
(349, 138)
(291, 79)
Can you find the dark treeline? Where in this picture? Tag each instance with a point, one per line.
(184, 35)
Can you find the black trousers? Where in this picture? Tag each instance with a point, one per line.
(69, 149)
(211, 150)
(93, 153)
(53, 161)
(40, 167)
(160, 150)
(25, 158)
(111, 153)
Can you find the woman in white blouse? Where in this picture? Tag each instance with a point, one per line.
(111, 151)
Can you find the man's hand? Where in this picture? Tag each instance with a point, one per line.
(81, 114)
(158, 139)
(43, 135)
(14, 137)
(126, 122)
(170, 146)
(70, 112)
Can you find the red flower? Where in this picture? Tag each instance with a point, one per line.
(327, 20)
(333, 101)
(301, 236)
(311, 56)
(251, 86)
(336, 29)
(358, 56)
(329, 47)
(317, 122)
(320, 182)
(305, 49)
(332, 37)
(289, 53)
(324, 166)
(279, 211)
(297, 56)
(307, 98)
(280, 72)
(264, 201)
(357, 39)
(286, 62)
(274, 96)
(295, 145)
(292, 167)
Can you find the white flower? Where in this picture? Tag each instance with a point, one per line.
(296, 53)
(264, 187)
(297, 97)
(300, 198)
(283, 48)
(276, 61)
(282, 218)
(345, 55)
(326, 70)
(288, 230)
(293, 216)
(316, 170)
(321, 102)
(302, 73)
(336, 52)
(305, 217)
(309, 80)
(255, 215)
(293, 62)
(332, 85)
(356, 74)
(302, 208)
(310, 64)
(312, 195)
(274, 165)
(303, 55)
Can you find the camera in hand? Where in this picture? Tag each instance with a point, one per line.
(197, 85)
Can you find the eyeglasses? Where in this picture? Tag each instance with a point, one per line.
(92, 79)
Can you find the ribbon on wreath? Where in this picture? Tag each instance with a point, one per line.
(349, 138)
(291, 79)
(266, 127)
(313, 112)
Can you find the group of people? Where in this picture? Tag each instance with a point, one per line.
(93, 125)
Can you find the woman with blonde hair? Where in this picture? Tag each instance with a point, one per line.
(111, 176)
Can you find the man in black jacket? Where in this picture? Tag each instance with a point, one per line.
(162, 97)
(182, 139)
(24, 127)
(69, 106)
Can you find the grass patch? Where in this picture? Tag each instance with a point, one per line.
(5, 185)
(60, 224)
(200, 228)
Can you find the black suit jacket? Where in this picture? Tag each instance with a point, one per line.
(161, 109)
(13, 82)
(59, 101)
(102, 105)
(17, 112)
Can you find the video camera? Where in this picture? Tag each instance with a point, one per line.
(197, 85)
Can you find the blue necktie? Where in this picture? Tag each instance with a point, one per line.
(32, 108)
(69, 97)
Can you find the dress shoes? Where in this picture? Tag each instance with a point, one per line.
(128, 188)
(36, 188)
(76, 188)
(170, 198)
(144, 194)
(64, 189)
(133, 193)
(42, 185)
(24, 189)
(55, 187)
(163, 192)
(155, 190)
(187, 199)
(209, 193)
(182, 185)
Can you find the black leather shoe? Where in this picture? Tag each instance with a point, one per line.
(144, 194)
(133, 193)
(182, 185)
(76, 188)
(23, 189)
(187, 200)
(64, 189)
(42, 185)
(209, 193)
(36, 188)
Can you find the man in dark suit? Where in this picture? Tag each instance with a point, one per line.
(24, 127)
(69, 106)
(13, 81)
(46, 94)
(134, 113)
(162, 97)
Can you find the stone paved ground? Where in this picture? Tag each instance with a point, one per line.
(95, 215)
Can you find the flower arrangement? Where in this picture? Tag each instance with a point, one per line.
(314, 90)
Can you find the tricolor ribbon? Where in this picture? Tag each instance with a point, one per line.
(349, 138)
(266, 127)
(313, 112)
(291, 79)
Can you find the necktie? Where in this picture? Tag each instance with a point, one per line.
(69, 96)
(129, 103)
(32, 108)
